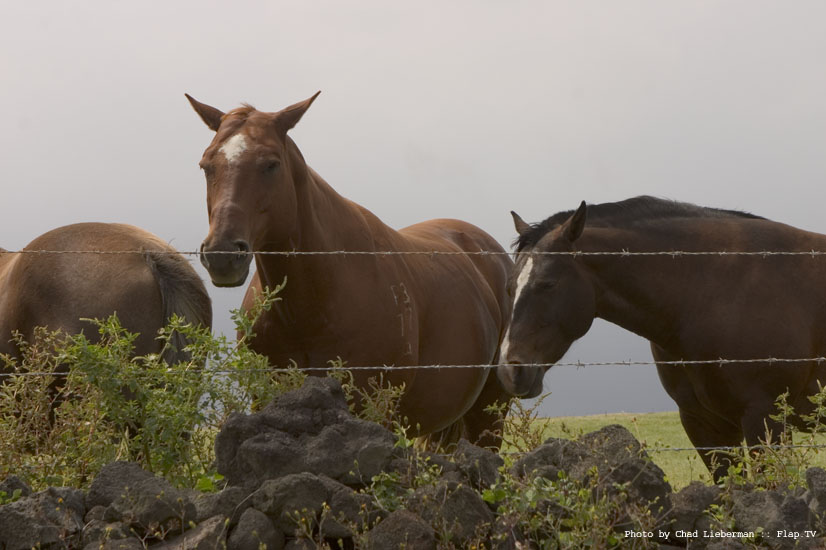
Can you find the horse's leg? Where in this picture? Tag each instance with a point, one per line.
(704, 432)
(702, 427)
(760, 430)
(484, 427)
(479, 426)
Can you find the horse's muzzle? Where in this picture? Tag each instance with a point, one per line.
(524, 381)
(227, 266)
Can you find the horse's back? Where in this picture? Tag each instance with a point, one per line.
(462, 233)
(450, 235)
(94, 270)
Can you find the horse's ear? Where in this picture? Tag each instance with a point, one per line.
(287, 118)
(576, 223)
(521, 225)
(210, 115)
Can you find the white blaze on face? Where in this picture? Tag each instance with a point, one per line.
(233, 147)
(503, 349)
(521, 283)
(522, 279)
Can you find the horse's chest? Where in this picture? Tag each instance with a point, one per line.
(355, 330)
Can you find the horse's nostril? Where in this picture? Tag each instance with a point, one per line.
(242, 247)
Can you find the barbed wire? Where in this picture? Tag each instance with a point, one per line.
(574, 253)
(774, 446)
(385, 368)
(728, 448)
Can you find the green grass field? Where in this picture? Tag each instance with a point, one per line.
(658, 431)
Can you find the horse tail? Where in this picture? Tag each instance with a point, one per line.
(182, 293)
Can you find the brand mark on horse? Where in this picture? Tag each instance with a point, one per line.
(402, 298)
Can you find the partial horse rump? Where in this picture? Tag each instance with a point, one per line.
(451, 236)
(183, 294)
(93, 270)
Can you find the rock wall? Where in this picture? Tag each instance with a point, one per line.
(303, 472)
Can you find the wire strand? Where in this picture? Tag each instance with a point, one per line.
(574, 253)
(385, 368)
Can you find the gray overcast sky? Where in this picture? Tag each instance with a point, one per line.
(464, 109)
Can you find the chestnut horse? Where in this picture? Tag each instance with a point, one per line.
(58, 290)
(371, 309)
(702, 308)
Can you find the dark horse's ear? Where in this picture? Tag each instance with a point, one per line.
(286, 119)
(521, 225)
(210, 115)
(576, 223)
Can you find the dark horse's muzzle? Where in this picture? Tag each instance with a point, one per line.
(227, 266)
(521, 380)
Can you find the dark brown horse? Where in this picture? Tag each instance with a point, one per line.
(690, 308)
(370, 310)
(58, 291)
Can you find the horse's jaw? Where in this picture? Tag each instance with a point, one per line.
(229, 280)
(228, 285)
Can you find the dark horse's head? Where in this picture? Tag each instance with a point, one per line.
(553, 301)
(251, 195)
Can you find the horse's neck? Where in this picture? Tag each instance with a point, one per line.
(645, 295)
(657, 297)
(332, 222)
(327, 223)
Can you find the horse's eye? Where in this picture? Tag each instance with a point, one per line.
(272, 166)
(547, 285)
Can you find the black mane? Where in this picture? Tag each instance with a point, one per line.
(638, 209)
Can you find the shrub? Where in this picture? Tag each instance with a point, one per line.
(106, 404)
